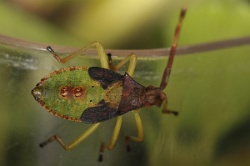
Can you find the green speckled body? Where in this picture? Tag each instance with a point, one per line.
(72, 104)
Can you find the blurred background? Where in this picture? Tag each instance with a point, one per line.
(210, 90)
(126, 24)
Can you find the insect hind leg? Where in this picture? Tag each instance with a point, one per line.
(75, 142)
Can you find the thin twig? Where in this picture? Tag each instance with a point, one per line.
(182, 50)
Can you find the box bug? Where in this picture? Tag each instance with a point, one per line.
(96, 94)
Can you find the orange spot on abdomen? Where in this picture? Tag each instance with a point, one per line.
(75, 92)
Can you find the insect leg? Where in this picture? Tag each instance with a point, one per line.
(111, 67)
(113, 140)
(101, 53)
(140, 135)
(130, 71)
(167, 111)
(75, 142)
(132, 63)
(132, 58)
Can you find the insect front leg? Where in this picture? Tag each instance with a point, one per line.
(165, 110)
(140, 134)
(113, 140)
(101, 53)
(75, 142)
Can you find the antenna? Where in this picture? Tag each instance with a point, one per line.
(168, 68)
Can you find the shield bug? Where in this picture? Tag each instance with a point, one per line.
(96, 94)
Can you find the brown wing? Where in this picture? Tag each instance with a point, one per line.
(99, 113)
(104, 76)
(130, 99)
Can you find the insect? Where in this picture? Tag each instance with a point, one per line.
(96, 94)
